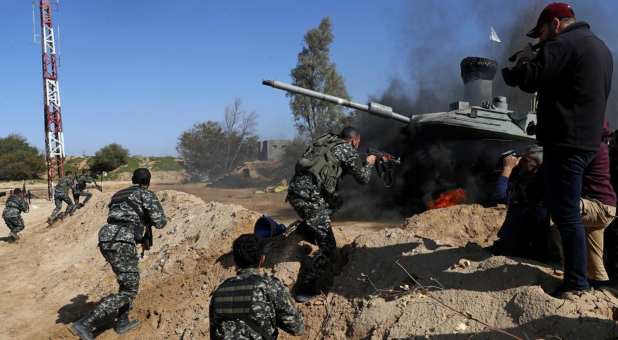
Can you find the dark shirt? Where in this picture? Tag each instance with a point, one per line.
(596, 184)
(501, 192)
(572, 74)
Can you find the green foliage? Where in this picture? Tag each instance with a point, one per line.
(109, 158)
(165, 164)
(72, 164)
(315, 71)
(19, 160)
(211, 150)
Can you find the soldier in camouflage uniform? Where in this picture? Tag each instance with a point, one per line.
(251, 306)
(312, 193)
(61, 194)
(80, 189)
(15, 205)
(130, 211)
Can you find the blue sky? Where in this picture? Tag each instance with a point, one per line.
(140, 72)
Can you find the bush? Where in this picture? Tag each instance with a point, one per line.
(109, 158)
(211, 150)
(166, 164)
(19, 160)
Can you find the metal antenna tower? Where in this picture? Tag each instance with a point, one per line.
(54, 140)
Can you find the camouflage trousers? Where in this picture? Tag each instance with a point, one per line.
(316, 272)
(123, 259)
(84, 193)
(15, 223)
(58, 199)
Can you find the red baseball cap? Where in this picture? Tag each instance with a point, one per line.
(558, 10)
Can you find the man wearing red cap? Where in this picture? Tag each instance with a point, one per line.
(572, 74)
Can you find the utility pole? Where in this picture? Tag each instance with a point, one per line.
(54, 139)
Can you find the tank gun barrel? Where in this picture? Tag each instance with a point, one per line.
(373, 108)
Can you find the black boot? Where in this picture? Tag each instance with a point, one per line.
(82, 329)
(124, 325)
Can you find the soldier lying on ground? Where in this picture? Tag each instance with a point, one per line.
(313, 195)
(250, 305)
(15, 205)
(130, 211)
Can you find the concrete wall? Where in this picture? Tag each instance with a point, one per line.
(272, 149)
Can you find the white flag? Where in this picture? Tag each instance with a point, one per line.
(493, 36)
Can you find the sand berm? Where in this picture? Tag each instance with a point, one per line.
(55, 275)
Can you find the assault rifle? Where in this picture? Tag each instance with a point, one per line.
(147, 239)
(98, 186)
(385, 165)
(25, 193)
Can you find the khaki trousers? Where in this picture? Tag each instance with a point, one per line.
(596, 216)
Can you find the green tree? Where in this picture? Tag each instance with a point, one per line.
(19, 160)
(315, 71)
(109, 158)
(211, 150)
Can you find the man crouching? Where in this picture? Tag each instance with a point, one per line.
(250, 305)
(130, 211)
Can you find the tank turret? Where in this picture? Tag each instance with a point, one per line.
(478, 115)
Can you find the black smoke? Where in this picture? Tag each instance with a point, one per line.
(436, 163)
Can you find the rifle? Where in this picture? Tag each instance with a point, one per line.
(385, 165)
(98, 186)
(25, 193)
(146, 239)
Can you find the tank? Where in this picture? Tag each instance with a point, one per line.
(479, 115)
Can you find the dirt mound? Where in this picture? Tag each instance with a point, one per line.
(459, 224)
(56, 275)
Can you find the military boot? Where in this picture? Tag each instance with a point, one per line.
(82, 329)
(14, 235)
(124, 325)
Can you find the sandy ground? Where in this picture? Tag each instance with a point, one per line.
(454, 289)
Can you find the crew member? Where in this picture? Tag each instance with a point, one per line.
(572, 74)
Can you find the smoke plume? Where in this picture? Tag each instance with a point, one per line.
(444, 33)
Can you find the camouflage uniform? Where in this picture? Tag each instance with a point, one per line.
(129, 211)
(15, 205)
(61, 194)
(252, 306)
(79, 189)
(314, 205)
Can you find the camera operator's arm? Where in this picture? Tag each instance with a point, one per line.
(500, 194)
(533, 73)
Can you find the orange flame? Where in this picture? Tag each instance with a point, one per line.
(447, 199)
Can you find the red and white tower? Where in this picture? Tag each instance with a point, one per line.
(54, 140)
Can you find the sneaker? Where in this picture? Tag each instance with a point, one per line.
(566, 293)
